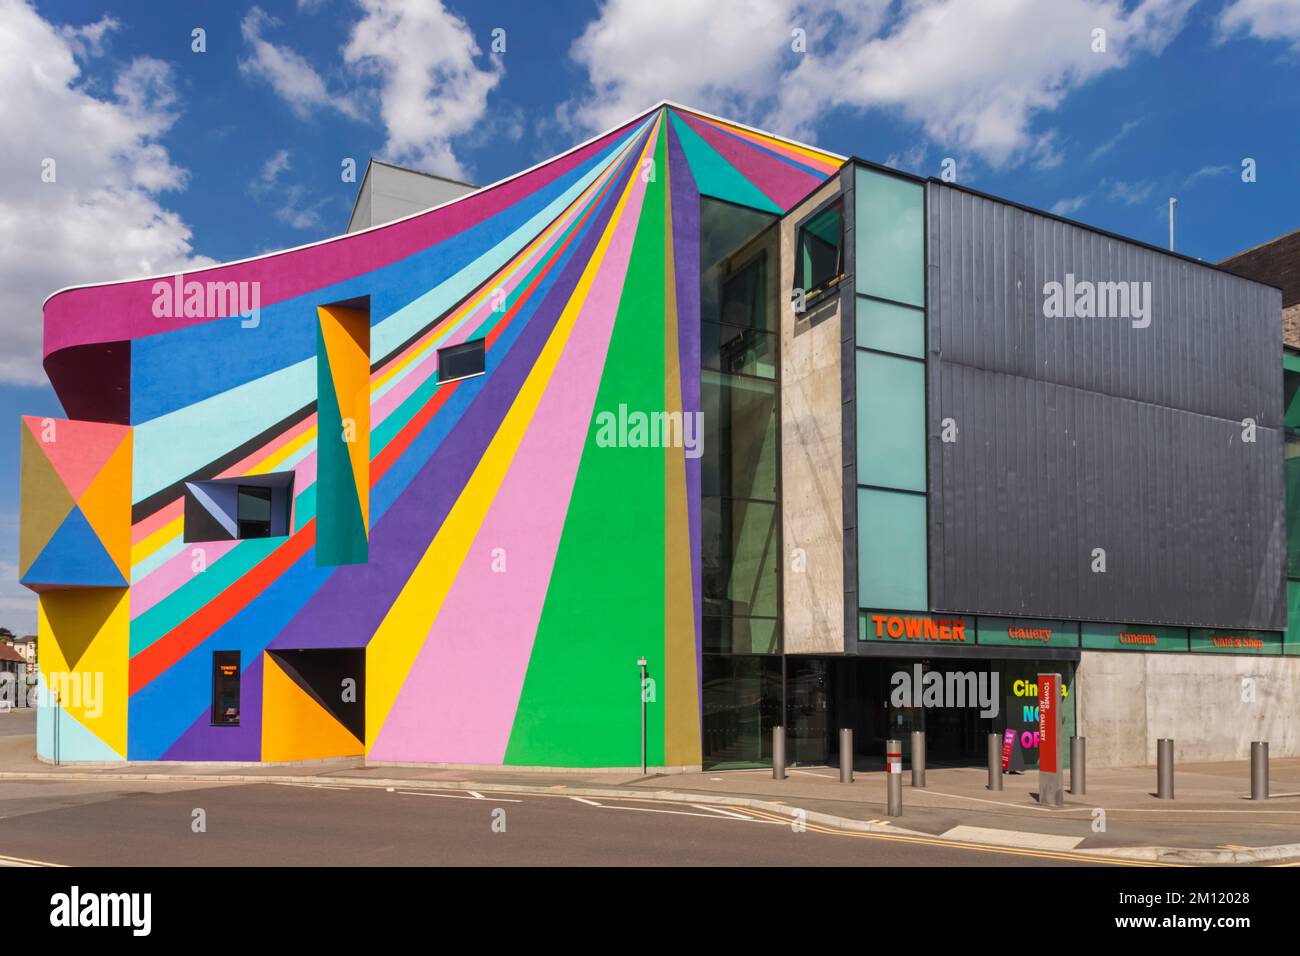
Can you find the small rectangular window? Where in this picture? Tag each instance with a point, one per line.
(461, 361)
(254, 512)
(225, 688)
(819, 258)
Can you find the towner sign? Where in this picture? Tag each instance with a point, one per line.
(917, 627)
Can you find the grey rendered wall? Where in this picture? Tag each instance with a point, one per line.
(1075, 434)
(1212, 705)
(391, 192)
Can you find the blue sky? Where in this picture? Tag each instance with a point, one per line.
(167, 157)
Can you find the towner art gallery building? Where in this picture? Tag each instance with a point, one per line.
(785, 425)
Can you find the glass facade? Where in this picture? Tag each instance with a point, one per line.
(889, 399)
(740, 483)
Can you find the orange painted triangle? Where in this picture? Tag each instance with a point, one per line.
(294, 726)
(107, 506)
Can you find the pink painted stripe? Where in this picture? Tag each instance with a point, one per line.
(173, 574)
(777, 180)
(124, 310)
(163, 516)
(822, 162)
(458, 702)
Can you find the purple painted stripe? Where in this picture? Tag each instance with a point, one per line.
(206, 742)
(778, 180)
(686, 270)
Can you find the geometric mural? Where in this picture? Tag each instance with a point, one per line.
(76, 496)
(468, 551)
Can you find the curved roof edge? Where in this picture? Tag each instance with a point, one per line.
(451, 202)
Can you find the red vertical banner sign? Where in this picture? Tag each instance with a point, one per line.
(1048, 745)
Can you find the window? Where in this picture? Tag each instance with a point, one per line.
(231, 509)
(225, 688)
(254, 511)
(461, 361)
(819, 262)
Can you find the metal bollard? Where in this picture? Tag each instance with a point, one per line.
(846, 755)
(1259, 770)
(778, 753)
(894, 776)
(995, 762)
(918, 759)
(1165, 768)
(1078, 765)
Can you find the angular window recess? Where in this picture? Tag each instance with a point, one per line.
(461, 361)
(231, 509)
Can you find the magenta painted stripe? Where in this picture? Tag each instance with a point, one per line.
(124, 310)
(778, 180)
(478, 648)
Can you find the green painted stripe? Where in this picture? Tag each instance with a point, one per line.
(604, 608)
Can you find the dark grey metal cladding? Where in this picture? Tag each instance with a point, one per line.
(1083, 433)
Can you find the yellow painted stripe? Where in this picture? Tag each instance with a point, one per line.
(147, 546)
(392, 651)
(813, 154)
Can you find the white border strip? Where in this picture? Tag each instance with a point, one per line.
(451, 202)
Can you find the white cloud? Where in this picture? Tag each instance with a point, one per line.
(101, 218)
(431, 86)
(1263, 20)
(1130, 194)
(1065, 207)
(294, 209)
(415, 60)
(1114, 141)
(288, 73)
(1204, 172)
(723, 56)
(90, 39)
(974, 77)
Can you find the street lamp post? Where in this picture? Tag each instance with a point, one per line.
(642, 664)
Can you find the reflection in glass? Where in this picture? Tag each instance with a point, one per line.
(742, 702)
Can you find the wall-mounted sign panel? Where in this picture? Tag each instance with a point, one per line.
(910, 628)
(1020, 632)
(1133, 637)
(1211, 641)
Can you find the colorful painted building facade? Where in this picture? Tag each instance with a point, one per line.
(431, 491)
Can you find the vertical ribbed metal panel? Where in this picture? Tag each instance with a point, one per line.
(1078, 433)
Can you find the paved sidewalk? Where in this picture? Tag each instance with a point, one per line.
(1212, 819)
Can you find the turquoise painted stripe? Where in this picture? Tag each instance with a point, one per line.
(715, 176)
(176, 445)
(198, 591)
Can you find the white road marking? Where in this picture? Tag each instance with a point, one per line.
(454, 796)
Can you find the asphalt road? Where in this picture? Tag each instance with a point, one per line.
(86, 823)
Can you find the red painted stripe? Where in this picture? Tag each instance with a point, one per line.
(195, 629)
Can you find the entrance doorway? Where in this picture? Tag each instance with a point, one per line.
(824, 694)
